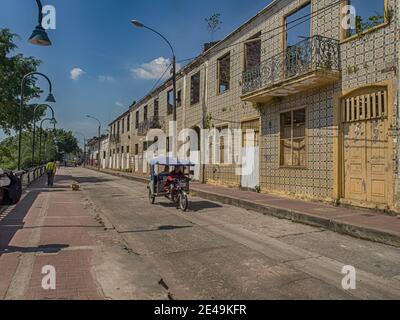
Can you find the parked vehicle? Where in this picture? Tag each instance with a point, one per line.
(170, 178)
(10, 187)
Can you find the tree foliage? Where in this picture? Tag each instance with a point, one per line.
(55, 144)
(213, 24)
(12, 69)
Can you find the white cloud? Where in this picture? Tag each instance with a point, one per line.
(76, 73)
(106, 78)
(119, 104)
(154, 69)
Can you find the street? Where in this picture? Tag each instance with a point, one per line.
(107, 242)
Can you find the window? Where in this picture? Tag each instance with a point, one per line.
(195, 89)
(114, 151)
(118, 127)
(127, 149)
(122, 149)
(117, 150)
(136, 149)
(168, 144)
(170, 102)
(253, 52)
(145, 113)
(293, 138)
(104, 154)
(137, 120)
(224, 73)
(179, 98)
(296, 33)
(128, 123)
(369, 14)
(123, 125)
(156, 108)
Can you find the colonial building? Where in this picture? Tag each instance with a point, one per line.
(320, 94)
(119, 149)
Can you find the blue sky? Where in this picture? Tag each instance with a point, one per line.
(96, 36)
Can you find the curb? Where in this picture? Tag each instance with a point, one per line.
(355, 231)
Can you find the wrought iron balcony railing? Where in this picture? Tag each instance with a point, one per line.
(315, 53)
(152, 123)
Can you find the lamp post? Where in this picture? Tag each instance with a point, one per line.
(138, 24)
(54, 122)
(34, 127)
(99, 144)
(50, 98)
(39, 36)
(84, 147)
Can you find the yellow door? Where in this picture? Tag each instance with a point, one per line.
(365, 151)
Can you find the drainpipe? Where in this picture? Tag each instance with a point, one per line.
(204, 108)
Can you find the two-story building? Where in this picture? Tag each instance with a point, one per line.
(319, 92)
(119, 148)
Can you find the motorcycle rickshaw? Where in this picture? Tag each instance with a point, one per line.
(170, 178)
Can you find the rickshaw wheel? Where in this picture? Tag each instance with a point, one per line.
(183, 202)
(152, 198)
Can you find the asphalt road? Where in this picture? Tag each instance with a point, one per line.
(217, 251)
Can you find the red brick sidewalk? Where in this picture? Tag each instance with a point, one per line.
(48, 227)
(365, 224)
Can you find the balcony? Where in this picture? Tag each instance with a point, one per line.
(312, 63)
(145, 126)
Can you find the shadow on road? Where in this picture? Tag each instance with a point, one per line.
(49, 249)
(161, 228)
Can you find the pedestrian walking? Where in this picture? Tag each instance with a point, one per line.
(51, 169)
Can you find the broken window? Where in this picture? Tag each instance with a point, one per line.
(253, 52)
(195, 89)
(293, 138)
(170, 102)
(298, 26)
(368, 14)
(128, 123)
(123, 125)
(156, 108)
(145, 113)
(179, 98)
(137, 120)
(224, 73)
(136, 149)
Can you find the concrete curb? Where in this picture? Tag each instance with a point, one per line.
(356, 231)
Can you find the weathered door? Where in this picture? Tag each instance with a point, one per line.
(250, 177)
(366, 163)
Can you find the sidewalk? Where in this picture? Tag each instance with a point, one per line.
(360, 223)
(49, 227)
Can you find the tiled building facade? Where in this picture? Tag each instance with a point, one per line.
(323, 107)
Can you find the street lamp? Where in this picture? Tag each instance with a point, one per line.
(53, 121)
(34, 127)
(84, 147)
(50, 98)
(39, 36)
(138, 24)
(98, 158)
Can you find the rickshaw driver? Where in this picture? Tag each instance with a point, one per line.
(175, 174)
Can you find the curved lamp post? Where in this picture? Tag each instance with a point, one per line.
(99, 144)
(34, 127)
(39, 36)
(50, 98)
(52, 121)
(84, 147)
(138, 24)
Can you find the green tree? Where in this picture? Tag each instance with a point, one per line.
(12, 69)
(55, 144)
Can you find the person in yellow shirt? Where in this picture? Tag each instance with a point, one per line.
(51, 169)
